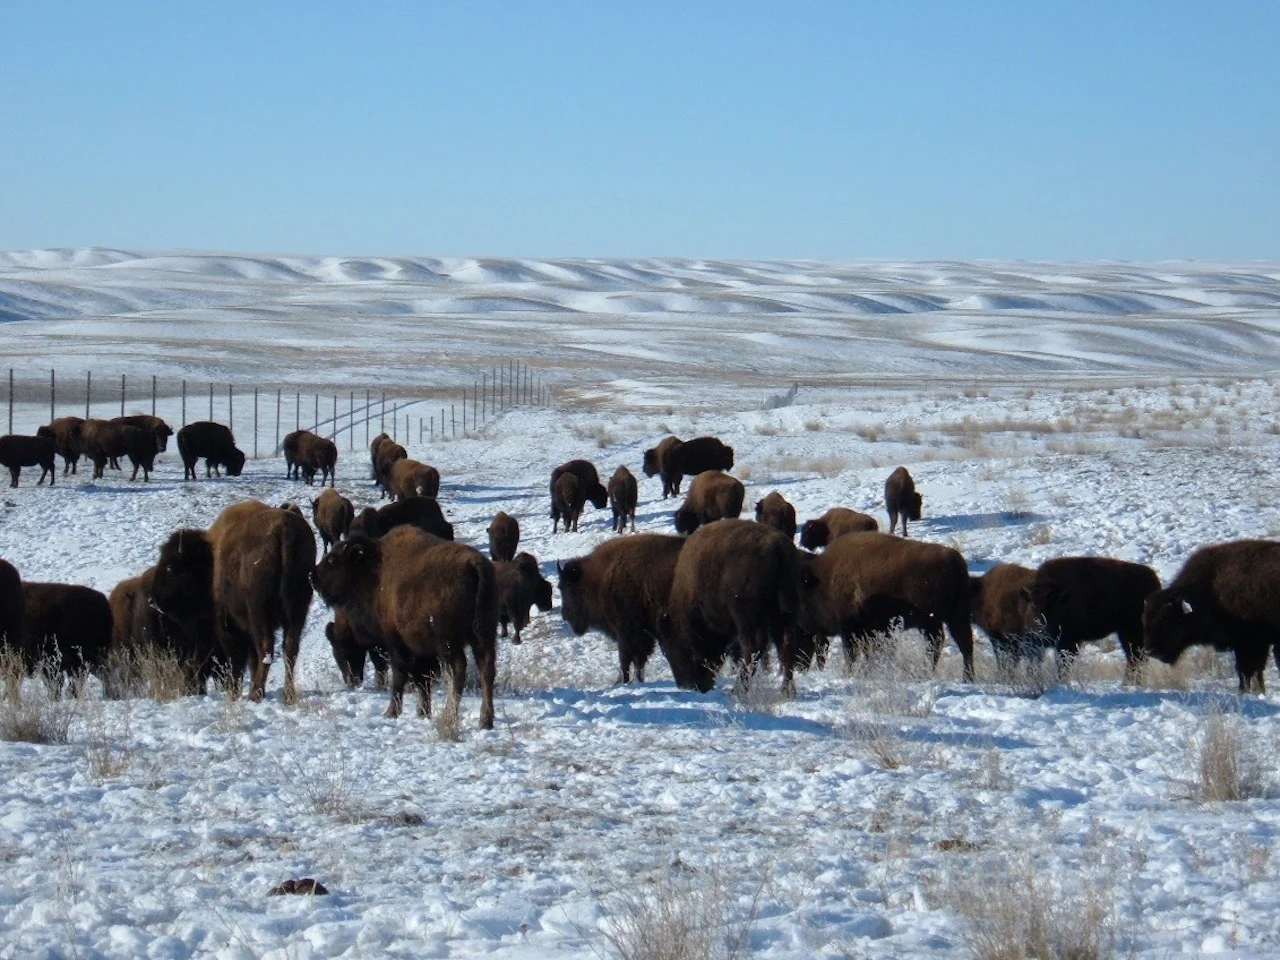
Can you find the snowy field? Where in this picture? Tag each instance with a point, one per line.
(1044, 410)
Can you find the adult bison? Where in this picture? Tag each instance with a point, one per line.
(350, 653)
(1082, 599)
(623, 494)
(735, 589)
(520, 586)
(589, 479)
(409, 478)
(712, 496)
(67, 440)
(10, 607)
(693, 457)
(1225, 597)
(215, 443)
(262, 561)
(836, 522)
(426, 600)
(901, 499)
(333, 514)
(306, 454)
(504, 536)
(66, 628)
(655, 457)
(106, 441)
(17, 451)
(421, 512)
(776, 512)
(567, 500)
(1004, 612)
(863, 582)
(386, 453)
(155, 425)
(622, 588)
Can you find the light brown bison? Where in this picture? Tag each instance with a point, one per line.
(18, 451)
(589, 480)
(333, 514)
(520, 586)
(901, 499)
(1088, 598)
(864, 582)
(735, 590)
(426, 600)
(836, 522)
(67, 440)
(692, 457)
(1002, 609)
(623, 494)
(775, 511)
(350, 653)
(66, 627)
(655, 457)
(712, 496)
(1225, 597)
(306, 453)
(214, 442)
(262, 560)
(622, 588)
(567, 501)
(421, 512)
(409, 478)
(504, 536)
(386, 453)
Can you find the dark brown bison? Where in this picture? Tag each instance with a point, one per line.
(864, 582)
(66, 628)
(350, 654)
(520, 586)
(67, 440)
(214, 442)
(17, 451)
(1225, 597)
(694, 457)
(712, 496)
(1002, 609)
(10, 608)
(836, 522)
(106, 441)
(655, 457)
(386, 455)
(145, 421)
(1087, 598)
(623, 494)
(589, 480)
(306, 454)
(426, 600)
(622, 588)
(262, 560)
(333, 514)
(291, 447)
(567, 501)
(168, 609)
(901, 499)
(421, 512)
(376, 446)
(409, 478)
(775, 511)
(504, 536)
(735, 590)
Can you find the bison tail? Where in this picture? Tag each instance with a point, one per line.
(485, 619)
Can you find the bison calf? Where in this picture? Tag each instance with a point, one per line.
(504, 536)
(901, 499)
(776, 512)
(65, 627)
(694, 457)
(17, 452)
(350, 654)
(623, 494)
(1003, 611)
(590, 488)
(712, 496)
(67, 440)
(333, 514)
(520, 586)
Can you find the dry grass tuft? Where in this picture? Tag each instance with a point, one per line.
(1227, 768)
(108, 738)
(152, 673)
(30, 712)
(447, 717)
(597, 432)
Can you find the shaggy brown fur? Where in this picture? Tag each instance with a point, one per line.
(214, 442)
(504, 536)
(693, 457)
(18, 451)
(10, 607)
(333, 514)
(374, 446)
(901, 499)
(421, 512)
(775, 511)
(106, 441)
(1225, 597)
(567, 501)
(350, 654)
(1088, 598)
(863, 582)
(262, 560)
(655, 457)
(520, 586)
(735, 589)
(623, 494)
(145, 421)
(65, 625)
(426, 600)
(409, 478)
(587, 476)
(67, 440)
(622, 588)
(387, 453)
(1004, 613)
(306, 453)
(712, 496)
(836, 522)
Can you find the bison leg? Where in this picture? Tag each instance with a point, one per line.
(486, 665)
(379, 660)
(1251, 665)
(292, 644)
(422, 686)
(399, 678)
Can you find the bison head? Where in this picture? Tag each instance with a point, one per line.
(1171, 622)
(815, 534)
(182, 589)
(348, 571)
(651, 462)
(235, 462)
(366, 522)
(599, 497)
(913, 506)
(573, 597)
(527, 564)
(347, 653)
(687, 520)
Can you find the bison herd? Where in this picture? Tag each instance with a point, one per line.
(408, 597)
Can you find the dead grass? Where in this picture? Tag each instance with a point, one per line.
(108, 737)
(146, 673)
(596, 431)
(29, 711)
(1227, 766)
(446, 718)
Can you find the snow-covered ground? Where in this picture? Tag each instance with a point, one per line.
(867, 817)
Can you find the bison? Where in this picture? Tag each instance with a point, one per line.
(504, 536)
(306, 453)
(901, 499)
(386, 453)
(776, 512)
(426, 600)
(655, 457)
(421, 512)
(863, 582)
(17, 451)
(622, 588)
(836, 522)
(262, 560)
(1225, 597)
(105, 441)
(153, 424)
(1006, 615)
(66, 628)
(214, 442)
(1087, 598)
(10, 608)
(623, 494)
(567, 501)
(333, 514)
(694, 457)
(350, 654)
(520, 586)
(409, 478)
(589, 479)
(712, 496)
(67, 440)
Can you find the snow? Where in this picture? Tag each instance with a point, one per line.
(1037, 420)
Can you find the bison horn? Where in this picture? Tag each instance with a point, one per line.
(1186, 607)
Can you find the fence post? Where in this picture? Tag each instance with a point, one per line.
(53, 390)
(334, 434)
(88, 391)
(297, 409)
(382, 417)
(153, 394)
(11, 400)
(276, 446)
(351, 424)
(230, 416)
(315, 428)
(122, 394)
(433, 429)
(368, 406)
(184, 403)
(255, 423)
(406, 428)
(394, 418)
(484, 396)
(442, 424)
(453, 419)
(211, 401)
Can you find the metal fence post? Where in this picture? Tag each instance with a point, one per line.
(153, 394)
(122, 394)
(230, 417)
(184, 403)
(11, 400)
(351, 424)
(255, 423)
(53, 390)
(211, 401)
(88, 391)
(276, 446)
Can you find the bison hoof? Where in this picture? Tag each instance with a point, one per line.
(392, 712)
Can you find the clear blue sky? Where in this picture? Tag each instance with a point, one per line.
(918, 130)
